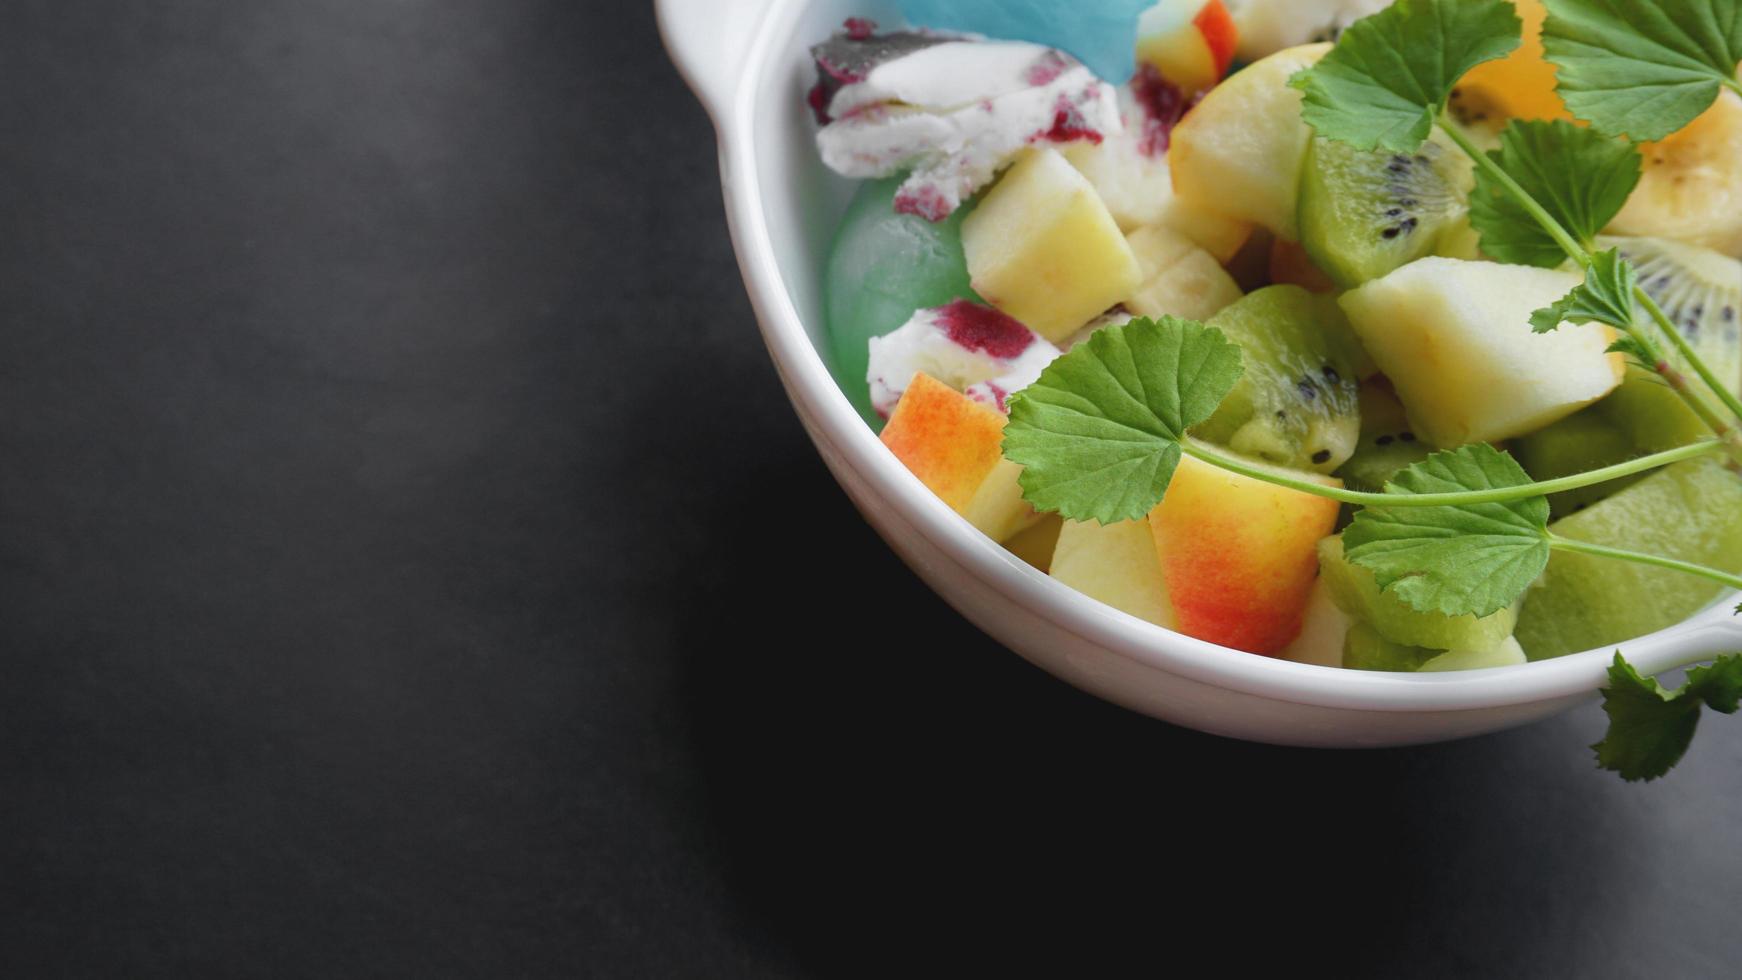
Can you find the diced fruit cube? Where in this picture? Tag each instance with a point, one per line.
(1239, 556)
(1218, 235)
(1699, 290)
(1135, 186)
(1388, 440)
(1296, 403)
(1651, 413)
(1367, 649)
(1190, 42)
(1508, 654)
(954, 445)
(1138, 191)
(1691, 512)
(1043, 248)
(1583, 441)
(997, 507)
(1321, 634)
(1364, 214)
(1355, 591)
(1115, 563)
(1177, 277)
(1239, 152)
(1037, 544)
(1455, 339)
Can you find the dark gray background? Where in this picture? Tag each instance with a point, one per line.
(409, 567)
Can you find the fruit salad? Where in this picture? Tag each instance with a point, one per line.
(1198, 312)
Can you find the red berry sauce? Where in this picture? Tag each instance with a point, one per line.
(1163, 105)
(981, 328)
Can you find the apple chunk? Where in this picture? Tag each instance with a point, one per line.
(1179, 278)
(1115, 563)
(1239, 152)
(1190, 42)
(1239, 556)
(1043, 248)
(1455, 339)
(954, 445)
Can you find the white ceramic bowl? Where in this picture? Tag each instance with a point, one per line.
(746, 60)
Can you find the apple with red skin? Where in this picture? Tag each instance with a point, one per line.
(955, 446)
(1225, 558)
(1190, 42)
(1240, 555)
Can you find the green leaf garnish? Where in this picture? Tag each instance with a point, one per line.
(1605, 296)
(1643, 68)
(1099, 434)
(1472, 560)
(1390, 74)
(1650, 727)
(1580, 177)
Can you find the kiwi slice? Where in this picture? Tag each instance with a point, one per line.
(1364, 214)
(1584, 441)
(1365, 648)
(1701, 292)
(1296, 404)
(1690, 511)
(1651, 413)
(1387, 443)
(1356, 592)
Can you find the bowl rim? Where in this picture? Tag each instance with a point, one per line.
(831, 419)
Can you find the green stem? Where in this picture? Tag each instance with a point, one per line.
(1719, 388)
(1498, 495)
(1567, 242)
(1640, 558)
(1728, 435)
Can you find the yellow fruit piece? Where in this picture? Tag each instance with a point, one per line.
(1178, 278)
(1216, 234)
(1691, 188)
(1455, 339)
(1134, 185)
(1522, 84)
(997, 508)
(1238, 152)
(1322, 630)
(955, 446)
(1115, 563)
(1036, 545)
(1240, 555)
(1138, 191)
(1043, 248)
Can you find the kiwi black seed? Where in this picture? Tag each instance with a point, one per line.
(1387, 443)
(1296, 403)
(1363, 214)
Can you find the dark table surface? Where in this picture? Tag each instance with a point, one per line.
(409, 566)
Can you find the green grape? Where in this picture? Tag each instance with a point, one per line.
(881, 268)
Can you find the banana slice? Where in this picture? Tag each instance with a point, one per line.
(1692, 187)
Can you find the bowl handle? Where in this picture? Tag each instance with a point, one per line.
(1714, 633)
(709, 40)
